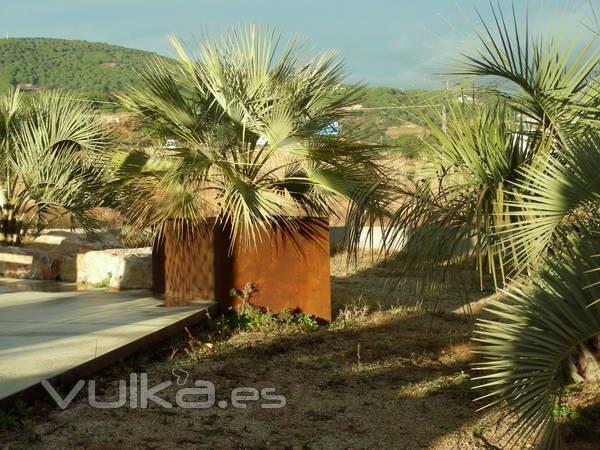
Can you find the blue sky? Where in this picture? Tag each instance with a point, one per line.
(401, 43)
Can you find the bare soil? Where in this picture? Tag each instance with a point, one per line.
(389, 372)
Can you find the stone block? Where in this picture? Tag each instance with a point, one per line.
(116, 269)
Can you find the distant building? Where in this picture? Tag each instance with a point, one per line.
(28, 87)
(333, 129)
(465, 99)
(354, 107)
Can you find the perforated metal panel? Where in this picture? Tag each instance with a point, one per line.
(289, 268)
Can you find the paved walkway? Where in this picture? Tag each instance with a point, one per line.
(50, 330)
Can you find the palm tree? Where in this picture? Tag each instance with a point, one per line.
(448, 214)
(548, 316)
(257, 145)
(546, 331)
(49, 145)
(518, 184)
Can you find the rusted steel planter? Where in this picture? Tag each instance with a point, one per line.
(183, 266)
(289, 269)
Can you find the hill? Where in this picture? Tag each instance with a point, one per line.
(94, 67)
(96, 70)
(87, 67)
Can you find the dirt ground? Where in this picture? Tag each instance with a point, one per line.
(387, 373)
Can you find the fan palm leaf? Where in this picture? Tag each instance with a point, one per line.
(550, 308)
(535, 329)
(554, 83)
(50, 149)
(554, 196)
(248, 114)
(517, 183)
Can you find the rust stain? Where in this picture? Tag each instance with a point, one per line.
(289, 268)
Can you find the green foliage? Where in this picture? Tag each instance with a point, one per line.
(392, 108)
(104, 283)
(216, 331)
(449, 213)
(413, 102)
(15, 416)
(410, 145)
(251, 318)
(525, 355)
(97, 70)
(563, 410)
(86, 67)
(549, 236)
(49, 150)
(8, 420)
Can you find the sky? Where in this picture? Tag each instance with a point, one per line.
(399, 43)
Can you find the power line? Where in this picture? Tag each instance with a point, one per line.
(95, 101)
(372, 108)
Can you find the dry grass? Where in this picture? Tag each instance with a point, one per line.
(411, 129)
(387, 373)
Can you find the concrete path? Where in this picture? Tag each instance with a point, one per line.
(50, 330)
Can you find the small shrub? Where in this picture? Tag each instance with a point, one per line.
(306, 321)
(255, 319)
(351, 313)
(564, 410)
(14, 418)
(247, 318)
(104, 283)
(8, 420)
(252, 318)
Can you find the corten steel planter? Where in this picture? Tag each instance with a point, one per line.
(183, 266)
(288, 268)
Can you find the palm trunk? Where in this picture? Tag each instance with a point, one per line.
(8, 226)
(584, 365)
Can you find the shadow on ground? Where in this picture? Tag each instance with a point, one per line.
(394, 377)
(384, 375)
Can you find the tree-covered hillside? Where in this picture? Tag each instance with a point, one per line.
(94, 67)
(97, 70)
(87, 67)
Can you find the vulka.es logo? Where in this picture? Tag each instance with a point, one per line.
(138, 394)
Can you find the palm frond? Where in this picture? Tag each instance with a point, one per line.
(552, 81)
(452, 212)
(50, 163)
(526, 348)
(551, 195)
(248, 112)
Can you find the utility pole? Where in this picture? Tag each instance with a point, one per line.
(444, 119)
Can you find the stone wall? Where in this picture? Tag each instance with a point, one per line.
(62, 255)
